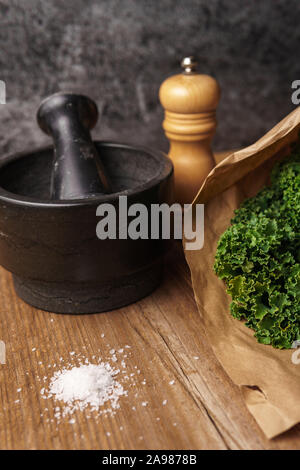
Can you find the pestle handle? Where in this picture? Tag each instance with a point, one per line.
(77, 170)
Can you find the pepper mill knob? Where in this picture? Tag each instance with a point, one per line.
(77, 170)
(189, 65)
(190, 100)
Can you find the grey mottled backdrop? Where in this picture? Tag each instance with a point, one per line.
(119, 51)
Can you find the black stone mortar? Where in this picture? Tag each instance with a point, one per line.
(51, 247)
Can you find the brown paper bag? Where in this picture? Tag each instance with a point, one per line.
(269, 380)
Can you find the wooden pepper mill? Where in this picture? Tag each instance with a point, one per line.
(190, 100)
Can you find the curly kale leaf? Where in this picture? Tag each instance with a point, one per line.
(258, 257)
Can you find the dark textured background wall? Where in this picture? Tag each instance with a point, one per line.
(119, 51)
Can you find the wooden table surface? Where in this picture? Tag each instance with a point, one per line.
(204, 410)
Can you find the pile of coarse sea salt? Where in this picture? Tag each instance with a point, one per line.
(88, 385)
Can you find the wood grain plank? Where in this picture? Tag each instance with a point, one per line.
(204, 410)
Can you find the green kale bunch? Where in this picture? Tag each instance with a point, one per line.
(258, 257)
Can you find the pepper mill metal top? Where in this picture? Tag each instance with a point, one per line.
(190, 100)
(189, 65)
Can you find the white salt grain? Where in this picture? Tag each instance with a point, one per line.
(165, 402)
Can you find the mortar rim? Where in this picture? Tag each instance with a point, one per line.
(19, 200)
